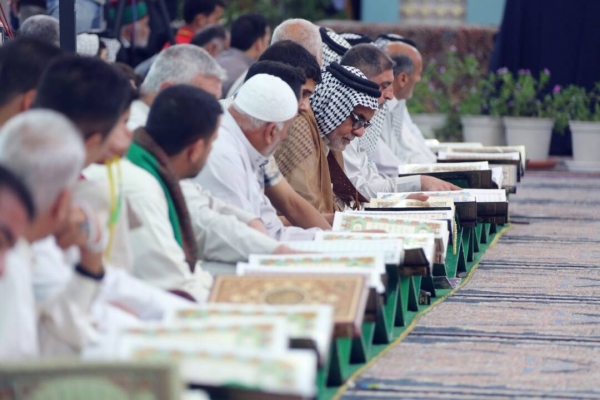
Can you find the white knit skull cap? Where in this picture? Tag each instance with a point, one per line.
(267, 98)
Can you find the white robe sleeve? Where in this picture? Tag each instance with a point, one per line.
(222, 230)
(366, 178)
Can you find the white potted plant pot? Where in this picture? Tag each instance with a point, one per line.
(428, 123)
(483, 129)
(586, 140)
(534, 133)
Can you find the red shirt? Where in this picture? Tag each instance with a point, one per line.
(183, 36)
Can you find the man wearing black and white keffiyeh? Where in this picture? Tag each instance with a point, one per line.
(377, 66)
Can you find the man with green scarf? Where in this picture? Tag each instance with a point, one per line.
(174, 145)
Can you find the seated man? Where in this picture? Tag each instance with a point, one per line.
(360, 169)
(174, 145)
(303, 32)
(252, 128)
(41, 27)
(341, 108)
(197, 14)
(213, 38)
(22, 62)
(134, 33)
(250, 36)
(295, 210)
(62, 320)
(401, 135)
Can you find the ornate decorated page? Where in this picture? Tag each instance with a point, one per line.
(437, 202)
(290, 372)
(268, 334)
(312, 322)
(392, 249)
(370, 264)
(487, 195)
(456, 155)
(446, 146)
(394, 224)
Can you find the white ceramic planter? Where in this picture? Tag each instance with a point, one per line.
(586, 140)
(428, 123)
(483, 129)
(534, 133)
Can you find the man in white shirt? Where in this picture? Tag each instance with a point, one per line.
(62, 320)
(401, 135)
(224, 233)
(360, 169)
(251, 130)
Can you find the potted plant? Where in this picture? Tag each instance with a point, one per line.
(580, 110)
(429, 105)
(526, 117)
(477, 126)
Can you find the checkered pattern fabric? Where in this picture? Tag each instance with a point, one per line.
(368, 142)
(333, 100)
(355, 38)
(334, 46)
(384, 39)
(298, 144)
(397, 121)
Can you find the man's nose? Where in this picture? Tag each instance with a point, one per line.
(359, 132)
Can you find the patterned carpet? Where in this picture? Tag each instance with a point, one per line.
(527, 325)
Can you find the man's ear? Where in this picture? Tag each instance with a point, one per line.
(28, 99)
(403, 78)
(196, 151)
(270, 133)
(211, 48)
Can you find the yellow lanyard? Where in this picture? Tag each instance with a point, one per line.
(116, 200)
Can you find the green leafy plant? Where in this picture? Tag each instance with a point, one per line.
(520, 96)
(573, 103)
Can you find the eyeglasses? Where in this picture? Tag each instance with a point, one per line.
(358, 122)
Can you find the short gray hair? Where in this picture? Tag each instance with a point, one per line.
(404, 64)
(303, 32)
(180, 64)
(42, 27)
(45, 150)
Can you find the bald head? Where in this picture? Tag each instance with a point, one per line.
(303, 32)
(408, 68)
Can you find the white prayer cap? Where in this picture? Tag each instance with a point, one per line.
(267, 98)
(88, 44)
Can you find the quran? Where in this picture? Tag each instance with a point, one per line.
(419, 249)
(346, 293)
(497, 149)
(265, 334)
(291, 372)
(509, 162)
(448, 146)
(369, 264)
(395, 224)
(392, 249)
(469, 174)
(307, 326)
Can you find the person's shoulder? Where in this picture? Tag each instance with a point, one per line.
(137, 180)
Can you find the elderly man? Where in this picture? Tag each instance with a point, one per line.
(22, 62)
(41, 27)
(180, 64)
(51, 175)
(251, 130)
(341, 108)
(213, 38)
(303, 32)
(362, 172)
(401, 135)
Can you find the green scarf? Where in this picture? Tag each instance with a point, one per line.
(147, 155)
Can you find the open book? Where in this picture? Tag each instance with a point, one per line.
(419, 249)
(307, 326)
(371, 264)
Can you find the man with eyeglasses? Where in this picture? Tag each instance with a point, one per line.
(310, 157)
(359, 157)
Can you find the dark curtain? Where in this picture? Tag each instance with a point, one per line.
(561, 35)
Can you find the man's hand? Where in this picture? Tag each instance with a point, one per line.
(418, 196)
(76, 232)
(282, 249)
(431, 184)
(258, 225)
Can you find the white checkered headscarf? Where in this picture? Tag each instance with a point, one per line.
(341, 89)
(334, 46)
(368, 141)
